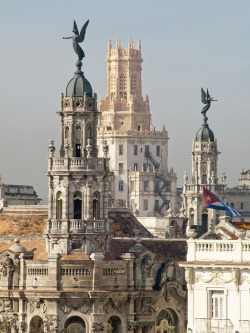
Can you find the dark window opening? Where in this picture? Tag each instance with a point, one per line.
(78, 150)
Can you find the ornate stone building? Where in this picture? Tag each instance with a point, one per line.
(90, 270)
(138, 153)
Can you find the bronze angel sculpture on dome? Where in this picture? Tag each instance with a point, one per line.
(78, 38)
(206, 99)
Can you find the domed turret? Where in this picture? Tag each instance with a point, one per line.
(78, 85)
(204, 134)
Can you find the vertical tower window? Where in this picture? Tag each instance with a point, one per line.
(135, 149)
(145, 185)
(89, 132)
(96, 206)
(121, 148)
(145, 204)
(132, 185)
(59, 205)
(158, 150)
(121, 185)
(78, 150)
(66, 132)
(156, 205)
(77, 205)
(120, 167)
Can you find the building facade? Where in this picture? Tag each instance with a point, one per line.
(138, 153)
(90, 270)
(218, 273)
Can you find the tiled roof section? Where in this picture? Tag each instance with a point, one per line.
(125, 224)
(38, 247)
(241, 225)
(163, 249)
(75, 256)
(22, 225)
(227, 232)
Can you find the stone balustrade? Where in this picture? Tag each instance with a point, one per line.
(219, 250)
(77, 226)
(78, 163)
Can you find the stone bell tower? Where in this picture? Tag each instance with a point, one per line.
(204, 173)
(78, 216)
(124, 105)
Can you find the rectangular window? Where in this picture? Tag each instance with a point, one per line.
(156, 205)
(157, 187)
(145, 204)
(146, 150)
(158, 150)
(241, 205)
(135, 149)
(120, 167)
(121, 149)
(135, 166)
(217, 305)
(144, 167)
(132, 185)
(121, 185)
(132, 204)
(145, 185)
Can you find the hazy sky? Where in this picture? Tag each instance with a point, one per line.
(185, 45)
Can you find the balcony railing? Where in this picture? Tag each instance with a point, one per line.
(76, 163)
(222, 250)
(211, 325)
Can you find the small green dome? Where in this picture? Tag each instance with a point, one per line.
(78, 85)
(204, 134)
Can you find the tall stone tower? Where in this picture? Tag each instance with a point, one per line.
(138, 153)
(204, 173)
(124, 106)
(78, 215)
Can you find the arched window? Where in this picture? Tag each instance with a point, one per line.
(75, 324)
(59, 205)
(89, 132)
(232, 205)
(114, 325)
(78, 133)
(166, 321)
(66, 132)
(96, 205)
(77, 205)
(36, 325)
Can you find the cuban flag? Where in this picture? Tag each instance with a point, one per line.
(210, 200)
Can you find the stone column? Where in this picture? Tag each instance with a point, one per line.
(105, 199)
(66, 200)
(50, 212)
(53, 270)
(97, 282)
(89, 199)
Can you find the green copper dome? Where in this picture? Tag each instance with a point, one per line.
(204, 134)
(78, 85)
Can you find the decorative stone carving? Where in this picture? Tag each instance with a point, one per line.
(50, 323)
(89, 148)
(6, 305)
(98, 327)
(105, 149)
(147, 305)
(51, 148)
(6, 265)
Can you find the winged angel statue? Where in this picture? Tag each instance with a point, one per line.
(78, 38)
(206, 99)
